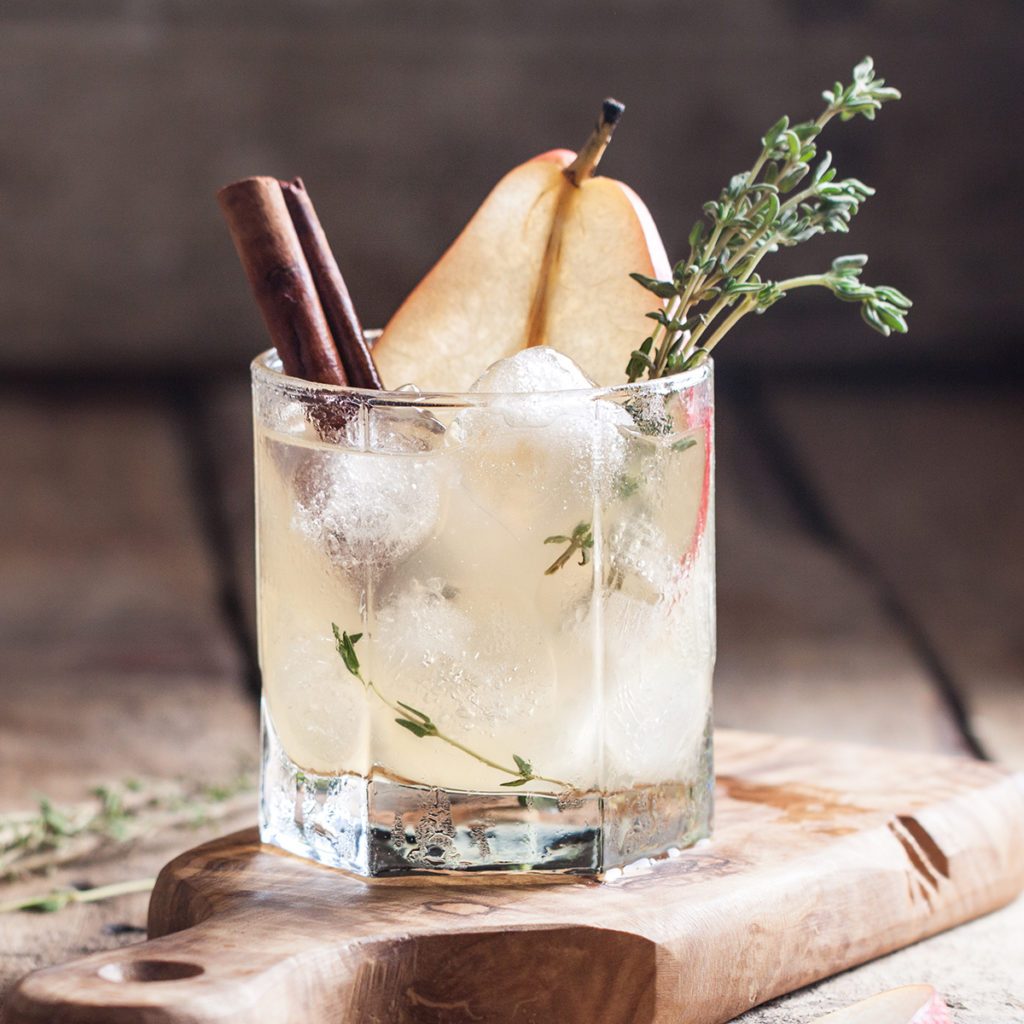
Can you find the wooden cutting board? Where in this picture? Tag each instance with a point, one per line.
(824, 856)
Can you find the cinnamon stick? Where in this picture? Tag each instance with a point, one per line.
(280, 278)
(330, 286)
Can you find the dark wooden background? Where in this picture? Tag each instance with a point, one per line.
(870, 493)
(122, 117)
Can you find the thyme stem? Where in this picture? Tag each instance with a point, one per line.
(758, 212)
(119, 814)
(581, 539)
(730, 321)
(58, 899)
(420, 724)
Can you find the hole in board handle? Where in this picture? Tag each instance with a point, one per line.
(149, 970)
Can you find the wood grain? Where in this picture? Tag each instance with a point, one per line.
(122, 120)
(977, 967)
(114, 660)
(825, 855)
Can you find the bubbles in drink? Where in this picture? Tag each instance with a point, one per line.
(436, 544)
(366, 512)
(474, 660)
(657, 690)
(640, 563)
(319, 709)
(537, 458)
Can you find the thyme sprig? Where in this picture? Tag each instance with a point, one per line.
(118, 813)
(625, 486)
(422, 725)
(58, 899)
(780, 202)
(581, 539)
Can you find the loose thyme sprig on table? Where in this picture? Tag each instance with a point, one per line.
(118, 814)
(57, 899)
(421, 725)
(759, 212)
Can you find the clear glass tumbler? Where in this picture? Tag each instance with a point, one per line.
(486, 623)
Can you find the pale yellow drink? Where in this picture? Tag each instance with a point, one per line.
(424, 525)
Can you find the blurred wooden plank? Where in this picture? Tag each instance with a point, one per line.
(108, 596)
(804, 648)
(227, 417)
(123, 118)
(928, 485)
(114, 659)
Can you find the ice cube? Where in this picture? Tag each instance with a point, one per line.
(654, 669)
(534, 456)
(658, 661)
(532, 370)
(473, 660)
(660, 513)
(368, 510)
(403, 428)
(639, 561)
(319, 711)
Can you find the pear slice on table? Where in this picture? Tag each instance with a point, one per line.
(544, 261)
(912, 1004)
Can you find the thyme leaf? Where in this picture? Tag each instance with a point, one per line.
(57, 899)
(420, 724)
(425, 719)
(580, 540)
(417, 728)
(683, 444)
(782, 200)
(116, 813)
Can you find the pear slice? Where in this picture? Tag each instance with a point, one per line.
(912, 1004)
(544, 261)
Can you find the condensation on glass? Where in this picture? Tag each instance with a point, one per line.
(425, 523)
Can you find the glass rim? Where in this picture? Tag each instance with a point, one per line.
(266, 369)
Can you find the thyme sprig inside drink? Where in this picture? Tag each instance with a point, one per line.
(581, 540)
(420, 724)
(780, 202)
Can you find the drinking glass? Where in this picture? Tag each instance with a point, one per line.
(486, 623)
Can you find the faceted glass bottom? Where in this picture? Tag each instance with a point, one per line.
(380, 826)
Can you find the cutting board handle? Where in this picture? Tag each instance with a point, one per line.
(211, 974)
(191, 975)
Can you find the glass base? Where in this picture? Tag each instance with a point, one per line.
(378, 826)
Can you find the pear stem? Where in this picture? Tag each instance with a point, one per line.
(575, 175)
(593, 149)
